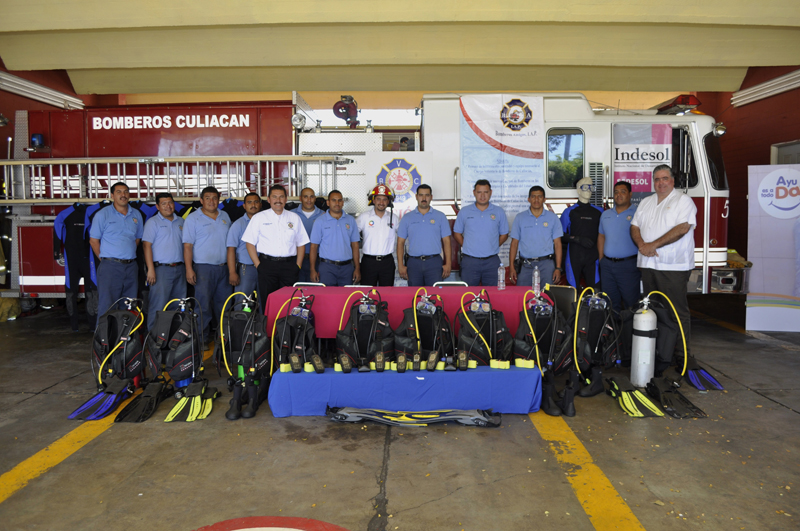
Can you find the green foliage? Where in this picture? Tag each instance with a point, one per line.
(563, 173)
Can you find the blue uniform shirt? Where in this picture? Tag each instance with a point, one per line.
(424, 232)
(208, 237)
(308, 222)
(617, 230)
(536, 235)
(166, 238)
(117, 232)
(235, 240)
(334, 236)
(481, 229)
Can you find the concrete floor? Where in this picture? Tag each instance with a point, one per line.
(737, 469)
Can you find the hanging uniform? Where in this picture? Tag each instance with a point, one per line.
(69, 233)
(581, 223)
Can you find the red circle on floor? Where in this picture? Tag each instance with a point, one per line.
(271, 523)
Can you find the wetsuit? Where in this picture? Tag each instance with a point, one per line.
(581, 223)
(68, 231)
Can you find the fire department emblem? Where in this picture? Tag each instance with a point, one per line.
(492, 217)
(291, 226)
(516, 115)
(135, 221)
(433, 221)
(402, 176)
(629, 218)
(545, 223)
(347, 226)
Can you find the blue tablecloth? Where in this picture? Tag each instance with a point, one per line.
(502, 390)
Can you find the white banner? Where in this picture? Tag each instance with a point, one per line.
(502, 141)
(638, 149)
(773, 237)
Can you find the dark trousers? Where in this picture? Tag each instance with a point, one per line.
(273, 276)
(546, 270)
(77, 267)
(424, 272)
(477, 272)
(582, 261)
(211, 290)
(115, 280)
(673, 285)
(336, 275)
(620, 281)
(170, 284)
(377, 272)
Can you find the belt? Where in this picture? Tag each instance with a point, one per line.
(621, 259)
(334, 262)
(479, 257)
(120, 260)
(378, 258)
(263, 256)
(425, 257)
(539, 259)
(174, 264)
(240, 264)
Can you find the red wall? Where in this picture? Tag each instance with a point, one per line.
(752, 129)
(54, 79)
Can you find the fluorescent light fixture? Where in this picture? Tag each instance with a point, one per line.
(34, 91)
(778, 85)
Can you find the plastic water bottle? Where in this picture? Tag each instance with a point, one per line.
(501, 277)
(536, 282)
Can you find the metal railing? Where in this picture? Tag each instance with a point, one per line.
(233, 176)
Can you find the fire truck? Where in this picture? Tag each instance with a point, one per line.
(64, 157)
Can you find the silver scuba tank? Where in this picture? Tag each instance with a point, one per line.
(643, 347)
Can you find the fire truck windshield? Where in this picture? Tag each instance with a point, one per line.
(716, 168)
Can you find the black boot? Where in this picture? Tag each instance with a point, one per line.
(567, 403)
(548, 390)
(250, 409)
(235, 412)
(594, 384)
(573, 380)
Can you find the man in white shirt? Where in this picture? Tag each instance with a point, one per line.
(276, 242)
(379, 236)
(663, 230)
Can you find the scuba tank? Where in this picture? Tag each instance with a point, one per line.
(643, 346)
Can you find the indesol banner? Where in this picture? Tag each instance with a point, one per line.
(638, 149)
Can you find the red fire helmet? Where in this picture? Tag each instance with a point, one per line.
(381, 189)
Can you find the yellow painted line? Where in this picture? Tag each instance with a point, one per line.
(42, 461)
(600, 500)
(717, 322)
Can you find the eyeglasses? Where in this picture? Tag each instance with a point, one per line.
(587, 188)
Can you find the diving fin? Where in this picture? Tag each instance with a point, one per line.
(143, 406)
(632, 401)
(474, 417)
(207, 402)
(190, 404)
(104, 402)
(700, 378)
(675, 404)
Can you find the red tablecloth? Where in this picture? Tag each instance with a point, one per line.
(329, 302)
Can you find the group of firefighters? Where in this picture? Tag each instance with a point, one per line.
(265, 250)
